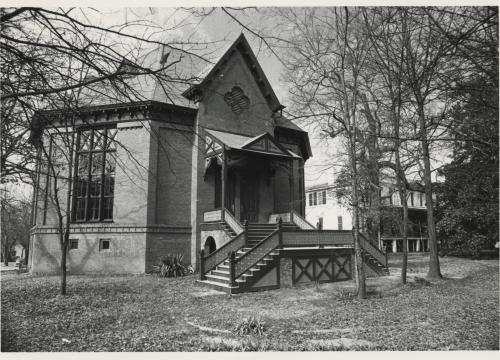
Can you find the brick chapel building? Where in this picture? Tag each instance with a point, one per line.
(152, 178)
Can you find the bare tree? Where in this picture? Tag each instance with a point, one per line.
(326, 55)
(64, 60)
(15, 213)
(69, 58)
(385, 31)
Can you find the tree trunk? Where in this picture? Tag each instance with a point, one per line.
(403, 193)
(404, 267)
(434, 269)
(5, 255)
(63, 267)
(358, 256)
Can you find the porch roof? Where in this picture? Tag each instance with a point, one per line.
(263, 143)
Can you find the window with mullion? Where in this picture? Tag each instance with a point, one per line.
(95, 166)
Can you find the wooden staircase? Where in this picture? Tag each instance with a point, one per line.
(373, 256)
(374, 264)
(219, 278)
(259, 231)
(228, 229)
(250, 260)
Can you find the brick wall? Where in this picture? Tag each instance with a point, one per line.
(159, 245)
(126, 254)
(131, 179)
(217, 114)
(173, 184)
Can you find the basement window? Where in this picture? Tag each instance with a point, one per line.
(104, 244)
(73, 244)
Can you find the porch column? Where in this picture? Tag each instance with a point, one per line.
(302, 189)
(223, 181)
(394, 246)
(418, 246)
(291, 182)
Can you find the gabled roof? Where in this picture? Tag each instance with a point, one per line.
(241, 45)
(263, 143)
(282, 124)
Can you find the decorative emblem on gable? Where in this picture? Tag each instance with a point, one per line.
(237, 100)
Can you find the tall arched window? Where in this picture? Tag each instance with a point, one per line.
(95, 175)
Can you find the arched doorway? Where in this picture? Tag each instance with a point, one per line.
(209, 245)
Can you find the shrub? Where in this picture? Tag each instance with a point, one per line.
(171, 266)
(250, 326)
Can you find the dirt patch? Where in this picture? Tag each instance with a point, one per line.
(207, 292)
(278, 313)
(208, 329)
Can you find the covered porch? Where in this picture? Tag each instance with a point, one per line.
(251, 177)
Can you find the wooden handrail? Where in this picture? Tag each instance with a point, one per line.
(219, 255)
(257, 253)
(378, 254)
(301, 223)
(233, 223)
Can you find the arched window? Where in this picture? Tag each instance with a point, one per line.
(209, 245)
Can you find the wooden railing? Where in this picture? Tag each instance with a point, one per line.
(213, 259)
(301, 222)
(305, 238)
(232, 222)
(252, 257)
(374, 251)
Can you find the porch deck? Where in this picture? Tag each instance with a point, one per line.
(252, 259)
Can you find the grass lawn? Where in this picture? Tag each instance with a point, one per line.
(143, 313)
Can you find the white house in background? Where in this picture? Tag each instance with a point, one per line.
(324, 207)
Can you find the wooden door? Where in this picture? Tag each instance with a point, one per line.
(249, 196)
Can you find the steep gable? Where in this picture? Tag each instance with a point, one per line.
(241, 46)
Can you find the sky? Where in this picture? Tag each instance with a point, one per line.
(218, 27)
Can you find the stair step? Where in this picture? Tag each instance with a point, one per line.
(221, 273)
(217, 279)
(216, 284)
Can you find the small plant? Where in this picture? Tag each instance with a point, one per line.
(171, 266)
(250, 326)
